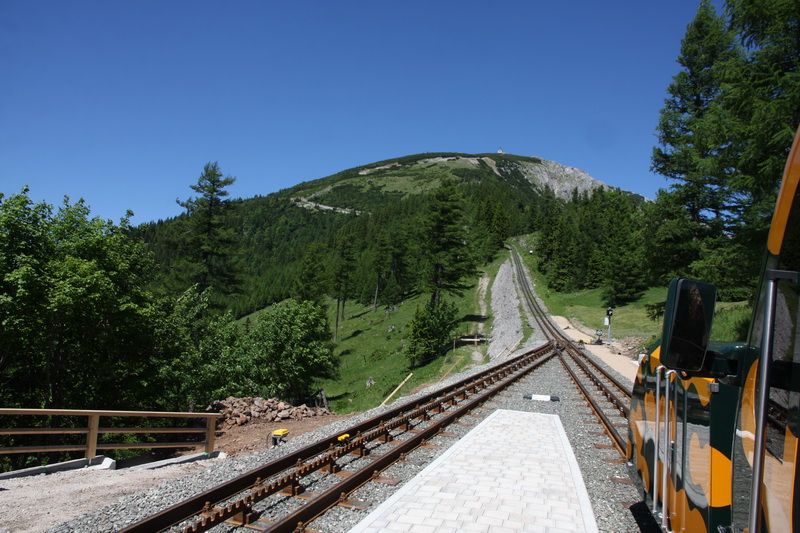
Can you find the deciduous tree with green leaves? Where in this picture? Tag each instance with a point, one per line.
(78, 328)
(207, 360)
(289, 349)
(430, 331)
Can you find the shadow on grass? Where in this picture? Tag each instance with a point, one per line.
(355, 333)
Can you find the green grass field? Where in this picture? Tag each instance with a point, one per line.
(586, 308)
(371, 344)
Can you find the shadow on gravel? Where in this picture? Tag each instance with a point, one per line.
(646, 522)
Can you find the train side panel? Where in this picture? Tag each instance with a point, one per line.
(727, 419)
(698, 481)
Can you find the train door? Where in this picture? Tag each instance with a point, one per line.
(694, 447)
(765, 467)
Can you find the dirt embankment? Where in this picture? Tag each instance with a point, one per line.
(621, 355)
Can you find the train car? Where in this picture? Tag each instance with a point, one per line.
(714, 428)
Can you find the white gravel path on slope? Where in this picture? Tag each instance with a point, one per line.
(507, 321)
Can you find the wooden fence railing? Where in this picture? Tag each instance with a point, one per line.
(93, 430)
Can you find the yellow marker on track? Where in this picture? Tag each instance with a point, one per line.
(279, 436)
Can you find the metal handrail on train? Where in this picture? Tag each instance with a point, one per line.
(667, 451)
(657, 436)
(763, 388)
(93, 430)
(667, 455)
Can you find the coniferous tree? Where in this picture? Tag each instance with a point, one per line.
(381, 263)
(561, 271)
(483, 238)
(762, 104)
(310, 283)
(210, 241)
(689, 151)
(444, 250)
(726, 131)
(343, 265)
(623, 267)
(594, 270)
(548, 217)
(670, 246)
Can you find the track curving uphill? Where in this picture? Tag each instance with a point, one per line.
(607, 395)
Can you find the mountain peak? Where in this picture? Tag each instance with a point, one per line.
(366, 187)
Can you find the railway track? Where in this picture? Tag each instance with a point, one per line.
(347, 461)
(607, 395)
(288, 493)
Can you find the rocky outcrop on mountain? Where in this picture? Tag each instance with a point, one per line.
(560, 178)
(239, 411)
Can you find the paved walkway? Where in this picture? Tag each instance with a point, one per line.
(534, 485)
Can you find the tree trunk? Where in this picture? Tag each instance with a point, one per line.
(324, 398)
(375, 299)
(336, 327)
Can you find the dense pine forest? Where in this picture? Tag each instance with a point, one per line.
(231, 297)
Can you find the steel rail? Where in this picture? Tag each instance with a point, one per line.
(623, 407)
(624, 388)
(325, 500)
(365, 431)
(566, 345)
(537, 312)
(616, 438)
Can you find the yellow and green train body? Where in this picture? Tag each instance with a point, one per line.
(714, 429)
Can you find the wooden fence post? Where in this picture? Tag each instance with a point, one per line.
(91, 437)
(211, 428)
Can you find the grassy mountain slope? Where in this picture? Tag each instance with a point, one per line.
(371, 347)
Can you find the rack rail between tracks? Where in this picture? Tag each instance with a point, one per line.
(233, 501)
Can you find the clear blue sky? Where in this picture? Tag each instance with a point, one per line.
(123, 102)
